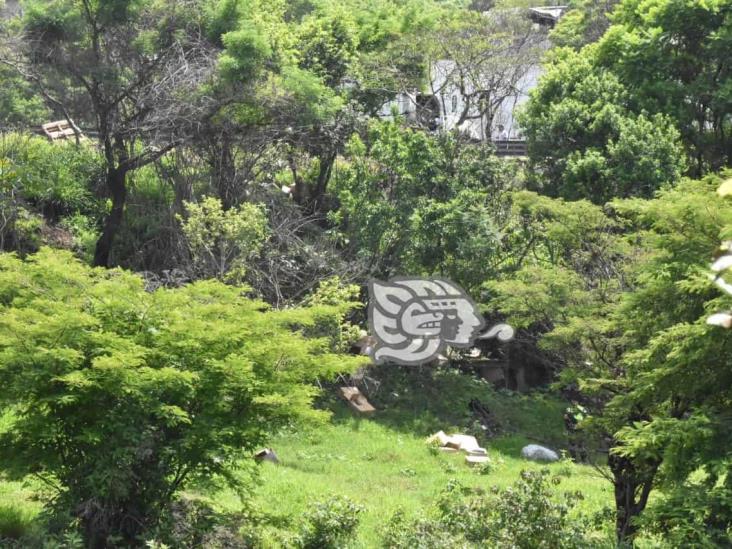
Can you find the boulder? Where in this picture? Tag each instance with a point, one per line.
(536, 452)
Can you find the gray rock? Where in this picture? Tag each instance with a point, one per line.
(538, 453)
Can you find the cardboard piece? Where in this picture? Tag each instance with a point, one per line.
(356, 400)
(440, 438)
(464, 443)
(476, 460)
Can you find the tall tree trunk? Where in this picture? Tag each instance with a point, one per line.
(116, 183)
(326, 168)
(224, 173)
(299, 191)
(632, 485)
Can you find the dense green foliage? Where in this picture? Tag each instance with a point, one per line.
(523, 515)
(674, 58)
(587, 143)
(412, 203)
(120, 397)
(220, 241)
(663, 58)
(630, 325)
(240, 154)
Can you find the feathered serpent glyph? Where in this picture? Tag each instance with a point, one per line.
(414, 319)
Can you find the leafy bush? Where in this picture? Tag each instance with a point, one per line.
(20, 105)
(124, 397)
(57, 178)
(414, 203)
(334, 292)
(399, 533)
(21, 230)
(221, 241)
(84, 234)
(149, 238)
(526, 515)
(190, 522)
(331, 524)
(693, 515)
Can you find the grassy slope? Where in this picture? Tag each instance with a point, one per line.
(384, 463)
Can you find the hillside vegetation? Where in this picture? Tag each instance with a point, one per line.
(186, 252)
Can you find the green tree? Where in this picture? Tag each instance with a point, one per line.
(584, 23)
(675, 396)
(118, 398)
(584, 139)
(673, 58)
(110, 66)
(417, 204)
(19, 105)
(625, 314)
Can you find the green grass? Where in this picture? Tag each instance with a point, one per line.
(384, 463)
(18, 511)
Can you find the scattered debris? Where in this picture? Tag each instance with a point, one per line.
(476, 460)
(356, 400)
(440, 438)
(465, 443)
(536, 452)
(365, 344)
(266, 454)
(61, 129)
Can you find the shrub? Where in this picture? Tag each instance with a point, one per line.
(123, 397)
(693, 515)
(57, 178)
(331, 524)
(19, 228)
(526, 515)
(399, 533)
(332, 291)
(84, 234)
(149, 238)
(22, 230)
(221, 241)
(190, 522)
